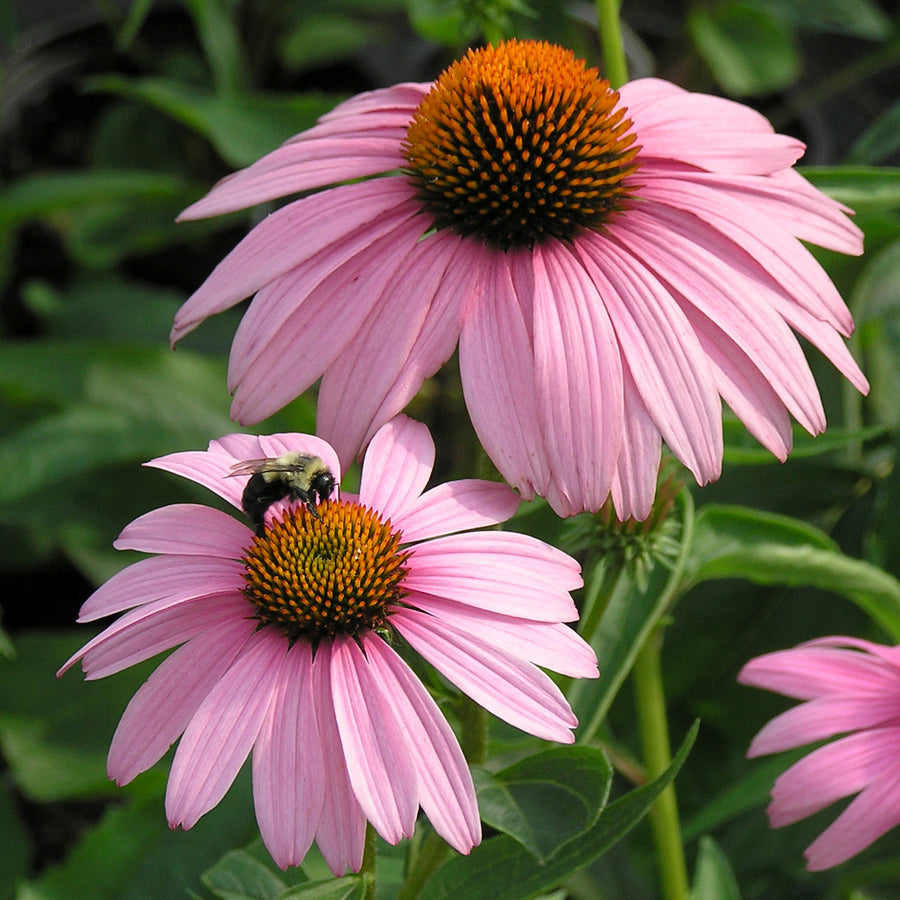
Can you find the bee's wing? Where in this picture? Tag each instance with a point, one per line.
(248, 466)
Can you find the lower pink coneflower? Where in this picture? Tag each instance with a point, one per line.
(286, 644)
(850, 687)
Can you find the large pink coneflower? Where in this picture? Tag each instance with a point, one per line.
(613, 264)
(290, 644)
(850, 687)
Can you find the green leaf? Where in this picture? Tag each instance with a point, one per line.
(547, 799)
(132, 854)
(713, 878)
(879, 140)
(350, 887)
(742, 449)
(859, 187)
(14, 850)
(632, 611)
(242, 127)
(748, 51)
(51, 193)
(860, 18)
(216, 23)
(241, 876)
(736, 542)
(54, 732)
(502, 869)
(326, 39)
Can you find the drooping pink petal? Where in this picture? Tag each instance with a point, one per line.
(409, 333)
(735, 138)
(161, 709)
(820, 669)
(834, 771)
(496, 361)
(300, 307)
(285, 239)
(457, 506)
(154, 628)
(553, 646)
(513, 690)
(634, 483)
(342, 829)
(187, 529)
(575, 346)
(870, 815)
(289, 770)
(378, 760)
(824, 718)
(779, 257)
(222, 730)
(790, 200)
(445, 786)
(397, 466)
(357, 138)
(668, 365)
(162, 577)
(513, 574)
(726, 289)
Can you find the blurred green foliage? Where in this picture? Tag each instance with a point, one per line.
(113, 118)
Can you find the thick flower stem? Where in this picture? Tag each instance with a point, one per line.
(610, 28)
(651, 709)
(367, 872)
(432, 852)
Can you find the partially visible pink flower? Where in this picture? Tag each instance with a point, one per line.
(850, 687)
(289, 644)
(613, 266)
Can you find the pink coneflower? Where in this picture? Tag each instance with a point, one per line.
(290, 644)
(612, 263)
(851, 687)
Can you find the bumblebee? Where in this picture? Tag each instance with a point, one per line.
(294, 476)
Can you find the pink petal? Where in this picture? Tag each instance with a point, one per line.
(457, 506)
(186, 529)
(779, 258)
(397, 466)
(288, 237)
(154, 628)
(553, 646)
(161, 709)
(836, 770)
(322, 289)
(817, 669)
(410, 332)
(496, 362)
(515, 691)
(872, 814)
(790, 200)
(342, 829)
(634, 484)
(378, 761)
(663, 354)
(578, 380)
(824, 718)
(723, 286)
(735, 137)
(446, 791)
(172, 578)
(513, 574)
(289, 770)
(359, 137)
(219, 736)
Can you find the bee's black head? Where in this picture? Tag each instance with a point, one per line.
(322, 484)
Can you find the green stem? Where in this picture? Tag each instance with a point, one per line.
(430, 855)
(368, 864)
(610, 29)
(651, 709)
(473, 720)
